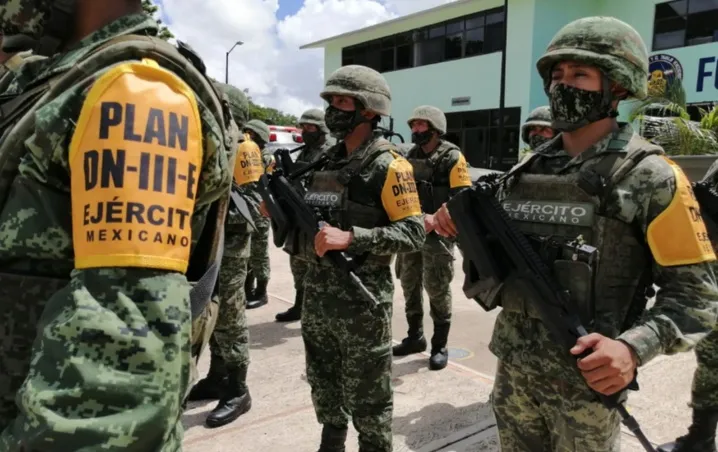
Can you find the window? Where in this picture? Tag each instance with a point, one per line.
(461, 37)
(477, 134)
(681, 23)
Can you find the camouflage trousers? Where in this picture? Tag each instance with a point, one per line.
(259, 254)
(348, 352)
(432, 269)
(539, 414)
(704, 392)
(299, 268)
(230, 340)
(107, 372)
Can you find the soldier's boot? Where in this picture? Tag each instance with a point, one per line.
(701, 435)
(259, 297)
(295, 312)
(234, 402)
(214, 384)
(333, 439)
(248, 287)
(439, 353)
(415, 342)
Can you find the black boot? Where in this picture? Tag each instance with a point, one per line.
(701, 435)
(249, 287)
(439, 354)
(235, 401)
(333, 439)
(415, 342)
(259, 297)
(213, 385)
(295, 312)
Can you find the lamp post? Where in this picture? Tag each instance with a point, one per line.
(226, 61)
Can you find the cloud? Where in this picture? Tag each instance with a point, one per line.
(269, 63)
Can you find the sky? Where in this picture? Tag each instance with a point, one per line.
(269, 63)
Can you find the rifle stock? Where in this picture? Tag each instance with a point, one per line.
(495, 250)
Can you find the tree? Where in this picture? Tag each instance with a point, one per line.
(151, 10)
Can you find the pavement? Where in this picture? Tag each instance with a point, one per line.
(447, 411)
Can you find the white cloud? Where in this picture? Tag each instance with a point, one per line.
(269, 63)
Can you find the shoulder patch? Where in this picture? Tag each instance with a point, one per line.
(248, 167)
(399, 195)
(678, 236)
(135, 161)
(459, 174)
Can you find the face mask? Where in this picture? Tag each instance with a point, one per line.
(573, 108)
(536, 141)
(23, 22)
(311, 138)
(421, 138)
(339, 122)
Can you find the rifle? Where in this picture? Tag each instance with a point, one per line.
(288, 210)
(389, 132)
(495, 248)
(707, 198)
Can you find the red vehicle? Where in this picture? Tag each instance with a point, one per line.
(285, 135)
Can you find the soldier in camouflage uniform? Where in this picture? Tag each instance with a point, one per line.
(537, 128)
(600, 183)
(367, 196)
(440, 171)
(229, 344)
(701, 435)
(316, 142)
(259, 248)
(97, 254)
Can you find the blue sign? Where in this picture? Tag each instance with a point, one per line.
(663, 69)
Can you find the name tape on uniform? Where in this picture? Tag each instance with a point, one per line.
(135, 161)
(576, 214)
(399, 195)
(459, 175)
(248, 167)
(678, 236)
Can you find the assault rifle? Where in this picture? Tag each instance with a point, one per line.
(495, 249)
(389, 132)
(707, 198)
(288, 210)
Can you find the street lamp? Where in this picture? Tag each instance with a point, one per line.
(226, 61)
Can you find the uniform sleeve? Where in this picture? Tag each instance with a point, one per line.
(405, 232)
(458, 168)
(687, 300)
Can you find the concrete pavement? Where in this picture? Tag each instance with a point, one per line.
(447, 410)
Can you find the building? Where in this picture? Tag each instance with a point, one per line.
(450, 57)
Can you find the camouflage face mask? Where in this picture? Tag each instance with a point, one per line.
(573, 108)
(22, 22)
(341, 123)
(537, 140)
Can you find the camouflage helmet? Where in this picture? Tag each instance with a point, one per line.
(432, 115)
(362, 83)
(314, 116)
(39, 25)
(605, 42)
(539, 117)
(260, 128)
(238, 103)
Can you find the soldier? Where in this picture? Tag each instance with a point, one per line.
(440, 171)
(117, 184)
(316, 143)
(376, 214)
(229, 344)
(259, 252)
(620, 194)
(701, 435)
(537, 128)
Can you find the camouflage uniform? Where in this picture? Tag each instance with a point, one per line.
(701, 435)
(315, 145)
(112, 356)
(229, 344)
(13, 65)
(259, 252)
(347, 343)
(439, 174)
(540, 400)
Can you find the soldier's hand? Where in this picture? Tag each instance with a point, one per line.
(610, 367)
(330, 238)
(429, 223)
(443, 224)
(263, 209)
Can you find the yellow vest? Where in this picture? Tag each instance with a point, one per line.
(248, 167)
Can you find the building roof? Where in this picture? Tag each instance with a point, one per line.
(322, 42)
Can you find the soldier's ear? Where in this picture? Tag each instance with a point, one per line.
(619, 92)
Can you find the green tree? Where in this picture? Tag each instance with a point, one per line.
(151, 10)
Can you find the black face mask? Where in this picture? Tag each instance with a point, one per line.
(421, 138)
(537, 140)
(341, 123)
(312, 138)
(573, 108)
